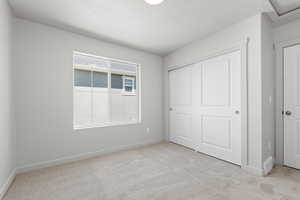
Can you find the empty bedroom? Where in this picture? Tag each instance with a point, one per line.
(150, 100)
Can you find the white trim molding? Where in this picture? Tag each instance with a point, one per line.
(279, 46)
(253, 170)
(268, 165)
(5, 187)
(239, 46)
(244, 103)
(84, 156)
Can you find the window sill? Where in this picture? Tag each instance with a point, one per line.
(106, 125)
(128, 94)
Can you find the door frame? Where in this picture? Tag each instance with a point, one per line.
(279, 137)
(241, 46)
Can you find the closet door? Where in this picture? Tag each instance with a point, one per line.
(205, 107)
(218, 107)
(180, 90)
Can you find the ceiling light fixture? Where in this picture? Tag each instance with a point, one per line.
(154, 2)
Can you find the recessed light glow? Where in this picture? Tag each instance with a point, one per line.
(154, 2)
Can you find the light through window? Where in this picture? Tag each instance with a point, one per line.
(106, 91)
(129, 84)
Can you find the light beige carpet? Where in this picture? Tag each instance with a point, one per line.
(162, 172)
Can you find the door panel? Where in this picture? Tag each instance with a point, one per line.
(216, 83)
(216, 136)
(220, 131)
(292, 105)
(181, 129)
(180, 87)
(181, 104)
(212, 101)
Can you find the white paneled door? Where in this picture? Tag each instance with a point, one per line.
(205, 107)
(292, 106)
(181, 106)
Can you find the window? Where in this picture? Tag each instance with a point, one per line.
(116, 81)
(128, 85)
(106, 91)
(82, 78)
(100, 80)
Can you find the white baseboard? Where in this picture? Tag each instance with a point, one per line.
(268, 165)
(254, 170)
(64, 160)
(7, 184)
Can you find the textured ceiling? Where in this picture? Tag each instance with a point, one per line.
(158, 29)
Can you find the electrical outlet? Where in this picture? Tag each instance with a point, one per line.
(270, 99)
(148, 130)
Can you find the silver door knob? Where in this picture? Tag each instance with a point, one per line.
(237, 112)
(170, 109)
(288, 113)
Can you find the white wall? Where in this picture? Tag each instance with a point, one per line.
(218, 42)
(43, 95)
(7, 144)
(287, 31)
(268, 89)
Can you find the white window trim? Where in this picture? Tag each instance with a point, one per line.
(93, 68)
